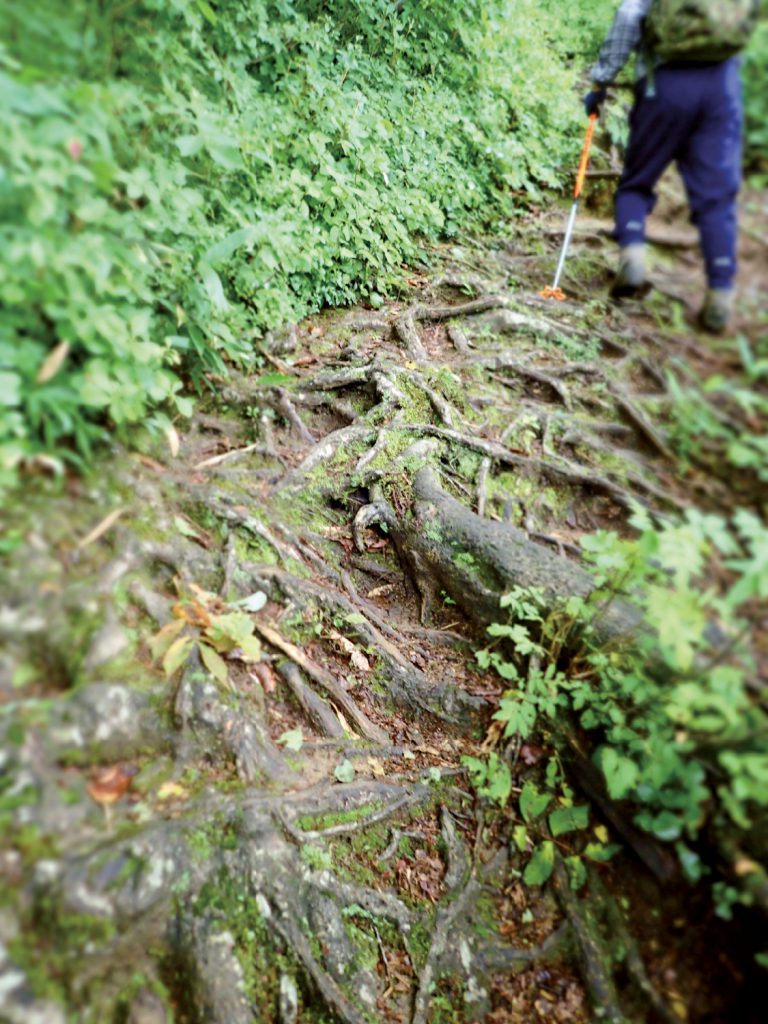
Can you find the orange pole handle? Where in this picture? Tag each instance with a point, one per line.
(585, 156)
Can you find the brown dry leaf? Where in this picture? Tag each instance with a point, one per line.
(378, 545)
(493, 736)
(377, 768)
(150, 463)
(264, 675)
(53, 363)
(111, 783)
(531, 753)
(356, 656)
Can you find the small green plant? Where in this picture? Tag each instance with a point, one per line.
(203, 621)
(674, 727)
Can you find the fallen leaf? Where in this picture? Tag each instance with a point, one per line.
(110, 784)
(172, 791)
(356, 656)
(253, 603)
(292, 740)
(345, 772)
(53, 363)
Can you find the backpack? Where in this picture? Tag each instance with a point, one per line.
(699, 30)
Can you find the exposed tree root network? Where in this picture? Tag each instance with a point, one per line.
(234, 716)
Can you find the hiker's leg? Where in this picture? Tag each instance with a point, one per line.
(658, 127)
(711, 168)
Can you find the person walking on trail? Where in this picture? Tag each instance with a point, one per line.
(688, 109)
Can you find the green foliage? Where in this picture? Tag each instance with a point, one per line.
(755, 76)
(182, 176)
(726, 416)
(675, 728)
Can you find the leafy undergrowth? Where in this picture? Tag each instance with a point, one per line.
(235, 727)
(184, 176)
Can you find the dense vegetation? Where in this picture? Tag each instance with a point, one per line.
(183, 176)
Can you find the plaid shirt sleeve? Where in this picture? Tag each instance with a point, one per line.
(623, 38)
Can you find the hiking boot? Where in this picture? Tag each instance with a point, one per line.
(716, 311)
(630, 277)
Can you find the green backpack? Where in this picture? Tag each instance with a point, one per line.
(699, 30)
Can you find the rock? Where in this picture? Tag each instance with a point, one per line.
(115, 719)
(108, 643)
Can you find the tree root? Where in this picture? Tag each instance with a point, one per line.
(405, 329)
(558, 472)
(316, 710)
(502, 557)
(595, 960)
(407, 685)
(620, 935)
(324, 679)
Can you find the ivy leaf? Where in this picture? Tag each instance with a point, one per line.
(621, 773)
(344, 772)
(568, 819)
(532, 802)
(541, 864)
(520, 837)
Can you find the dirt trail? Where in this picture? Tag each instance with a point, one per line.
(234, 712)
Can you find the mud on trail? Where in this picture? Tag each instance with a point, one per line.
(239, 677)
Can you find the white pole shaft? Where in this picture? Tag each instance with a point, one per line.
(566, 243)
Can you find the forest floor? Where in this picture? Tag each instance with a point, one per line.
(234, 704)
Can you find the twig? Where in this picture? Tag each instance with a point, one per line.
(216, 460)
(98, 531)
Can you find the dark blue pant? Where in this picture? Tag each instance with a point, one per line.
(695, 119)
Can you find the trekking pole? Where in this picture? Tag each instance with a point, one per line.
(555, 291)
